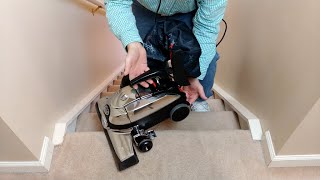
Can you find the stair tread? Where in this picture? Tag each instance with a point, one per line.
(88, 122)
(175, 155)
(202, 121)
(103, 94)
(120, 77)
(216, 105)
(222, 155)
(117, 82)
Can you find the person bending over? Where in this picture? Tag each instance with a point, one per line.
(142, 28)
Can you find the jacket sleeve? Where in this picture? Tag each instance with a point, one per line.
(206, 29)
(122, 21)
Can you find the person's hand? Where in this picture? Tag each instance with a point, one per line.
(194, 90)
(136, 62)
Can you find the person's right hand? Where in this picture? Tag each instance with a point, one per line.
(136, 62)
(194, 90)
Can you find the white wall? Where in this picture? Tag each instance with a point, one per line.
(53, 53)
(270, 62)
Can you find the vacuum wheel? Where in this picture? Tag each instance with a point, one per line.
(145, 145)
(179, 112)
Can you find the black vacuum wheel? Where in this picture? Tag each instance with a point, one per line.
(179, 112)
(145, 145)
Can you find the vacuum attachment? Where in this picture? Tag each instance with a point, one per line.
(128, 114)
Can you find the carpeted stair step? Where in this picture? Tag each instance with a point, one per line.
(88, 122)
(216, 104)
(175, 155)
(199, 121)
(113, 88)
(120, 77)
(117, 82)
(105, 93)
(221, 155)
(195, 121)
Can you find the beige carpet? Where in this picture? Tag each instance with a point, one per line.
(201, 121)
(219, 155)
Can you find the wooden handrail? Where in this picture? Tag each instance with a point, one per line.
(99, 3)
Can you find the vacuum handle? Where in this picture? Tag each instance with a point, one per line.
(148, 75)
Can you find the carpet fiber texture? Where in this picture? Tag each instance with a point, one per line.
(177, 154)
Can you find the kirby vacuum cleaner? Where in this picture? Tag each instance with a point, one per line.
(128, 114)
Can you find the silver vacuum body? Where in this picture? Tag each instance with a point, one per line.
(127, 115)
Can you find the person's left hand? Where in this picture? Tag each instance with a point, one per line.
(194, 90)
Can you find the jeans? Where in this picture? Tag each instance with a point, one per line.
(145, 20)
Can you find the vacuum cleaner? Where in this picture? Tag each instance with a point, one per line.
(127, 115)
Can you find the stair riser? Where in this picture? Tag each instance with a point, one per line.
(104, 94)
(113, 88)
(117, 82)
(120, 77)
(195, 121)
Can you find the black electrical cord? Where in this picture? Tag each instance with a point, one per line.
(224, 33)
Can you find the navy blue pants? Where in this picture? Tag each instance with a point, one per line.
(145, 21)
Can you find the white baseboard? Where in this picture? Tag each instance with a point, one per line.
(43, 165)
(274, 160)
(252, 121)
(62, 124)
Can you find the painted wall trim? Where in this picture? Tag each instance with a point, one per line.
(242, 111)
(287, 160)
(62, 124)
(43, 165)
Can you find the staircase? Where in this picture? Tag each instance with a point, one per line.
(207, 145)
